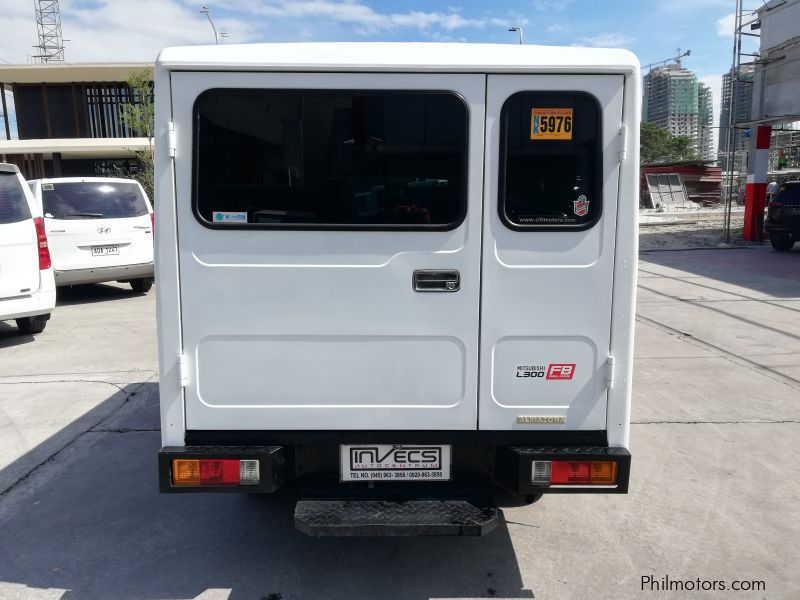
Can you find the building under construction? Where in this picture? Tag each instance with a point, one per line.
(742, 106)
(675, 100)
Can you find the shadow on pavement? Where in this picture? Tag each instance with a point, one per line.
(90, 293)
(760, 268)
(10, 335)
(91, 521)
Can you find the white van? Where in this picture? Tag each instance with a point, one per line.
(100, 229)
(398, 277)
(27, 287)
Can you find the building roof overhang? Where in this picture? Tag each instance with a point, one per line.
(77, 147)
(71, 72)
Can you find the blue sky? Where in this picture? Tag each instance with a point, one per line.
(136, 30)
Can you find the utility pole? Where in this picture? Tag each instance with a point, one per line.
(519, 30)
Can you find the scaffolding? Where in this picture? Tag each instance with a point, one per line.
(48, 25)
(742, 18)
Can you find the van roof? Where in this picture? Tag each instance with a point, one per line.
(85, 180)
(8, 168)
(400, 57)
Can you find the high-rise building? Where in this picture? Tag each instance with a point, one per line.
(676, 101)
(705, 122)
(743, 107)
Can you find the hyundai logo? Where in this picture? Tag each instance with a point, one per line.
(104, 230)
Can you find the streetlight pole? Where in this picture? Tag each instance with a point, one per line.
(204, 10)
(519, 30)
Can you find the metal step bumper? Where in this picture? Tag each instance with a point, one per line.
(383, 518)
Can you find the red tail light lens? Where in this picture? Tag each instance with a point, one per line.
(153, 221)
(569, 472)
(41, 240)
(212, 471)
(774, 204)
(574, 472)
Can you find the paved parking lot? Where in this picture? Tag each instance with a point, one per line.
(714, 490)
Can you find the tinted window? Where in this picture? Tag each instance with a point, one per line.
(86, 200)
(13, 205)
(330, 159)
(550, 161)
(789, 194)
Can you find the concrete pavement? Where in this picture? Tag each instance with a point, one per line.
(713, 495)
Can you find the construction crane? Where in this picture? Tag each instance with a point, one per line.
(676, 59)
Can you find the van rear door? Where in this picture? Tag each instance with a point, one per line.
(551, 177)
(19, 255)
(329, 231)
(96, 223)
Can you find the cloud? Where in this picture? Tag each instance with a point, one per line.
(726, 25)
(365, 19)
(559, 28)
(110, 30)
(124, 30)
(605, 40)
(551, 5)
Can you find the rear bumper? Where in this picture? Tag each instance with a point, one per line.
(99, 274)
(39, 303)
(478, 467)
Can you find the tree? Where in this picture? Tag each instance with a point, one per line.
(659, 145)
(138, 114)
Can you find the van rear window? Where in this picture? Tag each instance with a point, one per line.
(790, 194)
(13, 205)
(92, 199)
(550, 161)
(320, 159)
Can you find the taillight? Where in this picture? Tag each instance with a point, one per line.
(153, 221)
(41, 240)
(574, 472)
(774, 204)
(215, 471)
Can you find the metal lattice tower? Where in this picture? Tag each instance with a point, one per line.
(48, 24)
(740, 75)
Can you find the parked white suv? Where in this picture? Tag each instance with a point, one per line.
(27, 287)
(100, 229)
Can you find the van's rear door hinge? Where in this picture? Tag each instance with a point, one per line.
(623, 143)
(610, 371)
(183, 370)
(171, 143)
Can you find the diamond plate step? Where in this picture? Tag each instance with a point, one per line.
(350, 518)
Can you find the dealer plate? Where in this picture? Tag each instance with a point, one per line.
(104, 250)
(394, 462)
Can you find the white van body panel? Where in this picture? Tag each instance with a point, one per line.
(547, 294)
(72, 240)
(25, 290)
(224, 366)
(321, 329)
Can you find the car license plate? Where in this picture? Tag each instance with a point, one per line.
(104, 250)
(394, 462)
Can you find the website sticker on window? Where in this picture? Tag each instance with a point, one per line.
(551, 123)
(229, 217)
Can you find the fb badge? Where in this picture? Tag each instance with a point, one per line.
(580, 206)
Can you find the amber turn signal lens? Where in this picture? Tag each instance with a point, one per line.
(186, 472)
(603, 472)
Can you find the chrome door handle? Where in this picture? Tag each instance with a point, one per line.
(429, 280)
